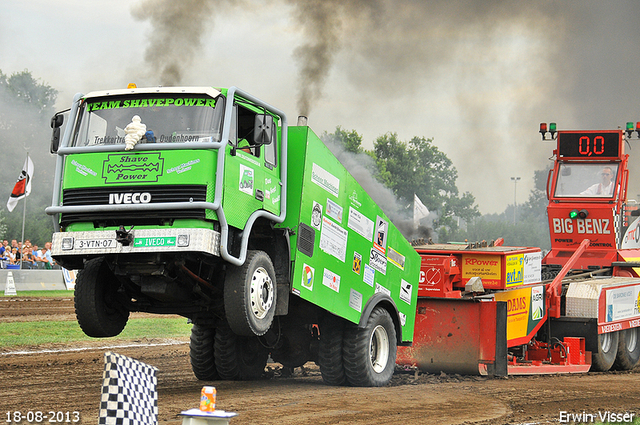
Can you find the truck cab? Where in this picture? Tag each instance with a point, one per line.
(587, 192)
(192, 201)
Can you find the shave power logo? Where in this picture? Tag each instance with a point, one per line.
(132, 168)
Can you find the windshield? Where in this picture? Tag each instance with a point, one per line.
(163, 118)
(586, 180)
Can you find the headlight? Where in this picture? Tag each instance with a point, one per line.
(183, 240)
(67, 244)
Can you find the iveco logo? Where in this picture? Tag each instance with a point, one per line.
(130, 198)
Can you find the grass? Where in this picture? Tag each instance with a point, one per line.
(59, 293)
(15, 334)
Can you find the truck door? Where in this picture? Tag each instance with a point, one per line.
(252, 176)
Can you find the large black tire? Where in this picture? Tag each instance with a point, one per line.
(239, 358)
(98, 312)
(628, 349)
(202, 354)
(330, 351)
(369, 353)
(603, 359)
(250, 295)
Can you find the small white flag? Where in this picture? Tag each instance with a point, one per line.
(22, 188)
(419, 210)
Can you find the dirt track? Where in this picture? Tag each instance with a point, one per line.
(70, 381)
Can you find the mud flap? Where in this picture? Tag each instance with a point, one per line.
(458, 336)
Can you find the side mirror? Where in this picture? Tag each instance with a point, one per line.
(263, 130)
(635, 213)
(56, 122)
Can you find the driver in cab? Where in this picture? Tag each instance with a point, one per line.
(605, 187)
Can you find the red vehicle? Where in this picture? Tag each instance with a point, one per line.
(497, 310)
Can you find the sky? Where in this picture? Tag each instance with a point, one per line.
(477, 77)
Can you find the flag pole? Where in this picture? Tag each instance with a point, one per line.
(24, 214)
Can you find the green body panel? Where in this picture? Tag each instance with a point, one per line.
(142, 168)
(249, 185)
(348, 265)
(139, 168)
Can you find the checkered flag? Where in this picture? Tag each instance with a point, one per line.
(129, 395)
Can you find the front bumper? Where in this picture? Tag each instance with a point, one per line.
(103, 242)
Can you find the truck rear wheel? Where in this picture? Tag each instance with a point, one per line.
(98, 312)
(330, 351)
(201, 353)
(250, 295)
(369, 353)
(238, 357)
(607, 350)
(628, 349)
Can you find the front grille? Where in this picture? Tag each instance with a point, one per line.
(118, 195)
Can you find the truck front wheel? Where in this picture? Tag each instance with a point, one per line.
(628, 349)
(607, 350)
(369, 353)
(201, 353)
(238, 357)
(250, 295)
(98, 312)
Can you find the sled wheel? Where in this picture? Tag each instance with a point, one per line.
(250, 295)
(238, 357)
(330, 351)
(98, 312)
(607, 350)
(369, 353)
(201, 353)
(628, 349)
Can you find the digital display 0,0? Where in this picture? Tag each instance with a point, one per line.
(589, 145)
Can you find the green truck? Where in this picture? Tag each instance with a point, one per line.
(203, 202)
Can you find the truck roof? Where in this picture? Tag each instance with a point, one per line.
(192, 90)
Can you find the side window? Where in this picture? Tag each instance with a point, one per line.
(245, 127)
(270, 155)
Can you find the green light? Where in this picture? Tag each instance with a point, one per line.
(629, 126)
(573, 214)
(552, 127)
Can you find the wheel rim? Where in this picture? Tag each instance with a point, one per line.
(605, 342)
(379, 349)
(632, 339)
(261, 293)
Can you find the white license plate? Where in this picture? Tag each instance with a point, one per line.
(94, 243)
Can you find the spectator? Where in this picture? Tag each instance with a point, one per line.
(3, 247)
(46, 253)
(27, 259)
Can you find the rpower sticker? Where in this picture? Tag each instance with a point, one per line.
(308, 273)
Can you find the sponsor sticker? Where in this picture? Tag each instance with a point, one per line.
(316, 215)
(360, 224)
(331, 280)
(405, 291)
(132, 167)
(357, 263)
(334, 210)
(380, 239)
(355, 300)
(325, 180)
(369, 275)
(396, 258)
(380, 288)
(246, 179)
(333, 239)
(378, 261)
(307, 276)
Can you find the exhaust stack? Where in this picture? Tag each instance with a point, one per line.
(302, 120)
